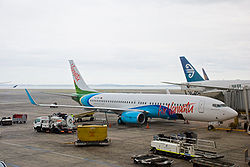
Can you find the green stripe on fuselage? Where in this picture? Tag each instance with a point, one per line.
(79, 93)
(83, 92)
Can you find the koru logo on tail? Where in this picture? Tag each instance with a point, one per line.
(189, 70)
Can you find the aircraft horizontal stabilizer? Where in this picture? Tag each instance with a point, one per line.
(5, 82)
(95, 109)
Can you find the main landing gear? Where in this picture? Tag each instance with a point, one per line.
(120, 122)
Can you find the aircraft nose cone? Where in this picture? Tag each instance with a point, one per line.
(233, 113)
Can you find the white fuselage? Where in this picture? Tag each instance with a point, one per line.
(197, 108)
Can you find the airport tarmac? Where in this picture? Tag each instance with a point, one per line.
(21, 146)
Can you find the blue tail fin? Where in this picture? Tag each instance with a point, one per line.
(191, 74)
(205, 74)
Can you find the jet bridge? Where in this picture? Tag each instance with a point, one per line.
(239, 100)
(235, 99)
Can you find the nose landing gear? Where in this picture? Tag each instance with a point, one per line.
(210, 127)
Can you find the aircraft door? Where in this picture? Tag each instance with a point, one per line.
(201, 107)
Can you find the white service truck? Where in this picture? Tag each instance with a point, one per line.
(184, 147)
(201, 152)
(54, 123)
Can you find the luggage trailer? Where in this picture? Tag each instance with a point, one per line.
(199, 152)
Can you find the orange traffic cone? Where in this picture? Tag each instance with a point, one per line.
(109, 125)
(147, 126)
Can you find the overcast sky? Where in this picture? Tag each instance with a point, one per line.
(122, 41)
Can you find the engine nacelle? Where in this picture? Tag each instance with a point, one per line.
(134, 117)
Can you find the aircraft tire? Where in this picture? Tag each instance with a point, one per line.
(146, 120)
(119, 121)
(210, 127)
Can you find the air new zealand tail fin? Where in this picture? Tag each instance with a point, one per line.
(80, 85)
(205, 74)
(191, 74)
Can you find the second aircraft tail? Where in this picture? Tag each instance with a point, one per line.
(190, 72)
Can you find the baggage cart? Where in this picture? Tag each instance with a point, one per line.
(92, 135)
(19, 118)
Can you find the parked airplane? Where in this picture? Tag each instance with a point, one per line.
(196, 83)
(136, 108)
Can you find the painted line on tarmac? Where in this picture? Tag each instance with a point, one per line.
(61, 154)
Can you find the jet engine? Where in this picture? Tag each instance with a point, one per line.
(134, 117)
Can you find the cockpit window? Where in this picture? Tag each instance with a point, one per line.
(219, 105)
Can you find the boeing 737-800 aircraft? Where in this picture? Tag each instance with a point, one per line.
(196, 83)
(136, 108)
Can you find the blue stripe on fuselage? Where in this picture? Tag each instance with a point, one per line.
(153, 111)
(157, 111)
(85, 99)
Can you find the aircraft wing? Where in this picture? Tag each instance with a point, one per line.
(203, 86)
(59, 94)
(5, 82)
(95, 109)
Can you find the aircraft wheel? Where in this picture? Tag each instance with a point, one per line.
(210, 127)
(119, 121)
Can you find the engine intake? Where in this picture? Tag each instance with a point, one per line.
(134, 117)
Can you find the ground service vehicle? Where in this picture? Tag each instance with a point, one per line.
(152, 159)
(183, 147)
(6, 121)
(201, 152)
(56, 123)
(84, 117)
(19, 118)
(92, 135)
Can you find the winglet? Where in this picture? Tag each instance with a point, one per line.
(30, 97)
